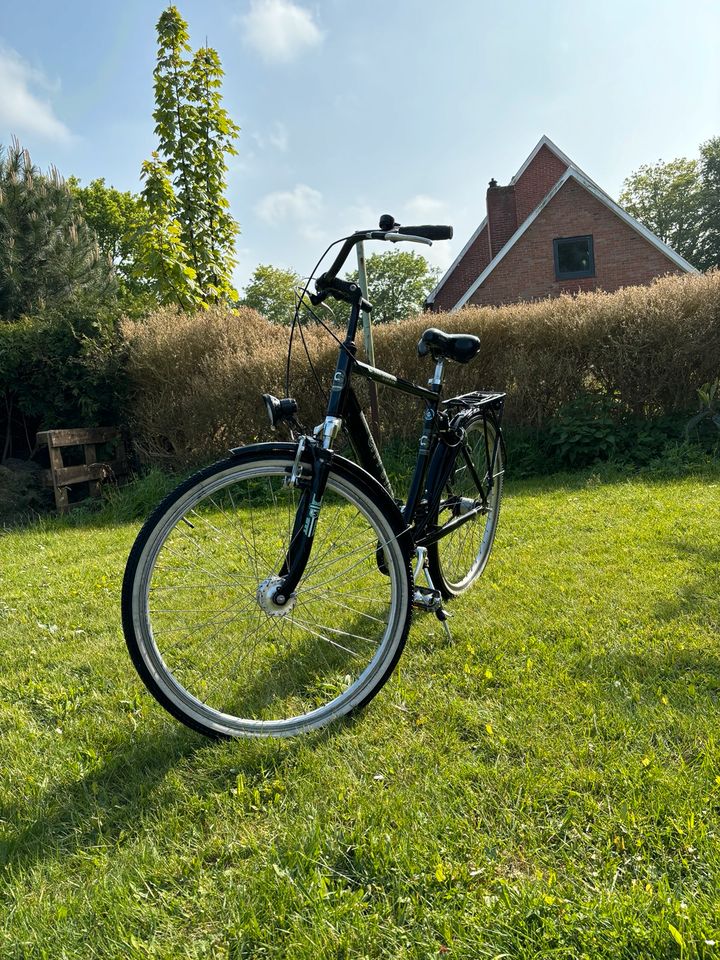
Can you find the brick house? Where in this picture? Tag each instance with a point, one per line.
(552, 230)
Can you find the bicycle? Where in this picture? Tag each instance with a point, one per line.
(272, 592)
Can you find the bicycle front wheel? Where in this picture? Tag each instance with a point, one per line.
(458, 559)
(202, 633)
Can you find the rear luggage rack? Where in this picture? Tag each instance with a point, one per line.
(477, 399)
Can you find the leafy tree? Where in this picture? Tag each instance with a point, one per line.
(271, 292)
(188, 245)
(163, 258)
(113, 216)
(680, 202)
(48, 253)
(667, 199)
(118, 219)
(398, 284)
(710, 178)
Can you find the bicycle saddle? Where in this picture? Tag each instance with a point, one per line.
(461, 347)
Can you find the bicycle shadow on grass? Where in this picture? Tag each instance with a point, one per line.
(112, 804)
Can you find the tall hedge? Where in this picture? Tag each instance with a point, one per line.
(196, 379)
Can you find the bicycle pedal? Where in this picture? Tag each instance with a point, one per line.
(427, 599)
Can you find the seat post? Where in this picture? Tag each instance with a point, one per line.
(435, 383)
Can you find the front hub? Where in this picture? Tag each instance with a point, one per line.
(264, 596)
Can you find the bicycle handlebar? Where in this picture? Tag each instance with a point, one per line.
(390, 230)
(340, 289)
(429, 232)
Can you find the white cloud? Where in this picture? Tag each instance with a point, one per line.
(301, 205)
(304, 212)
(22, 110)
(360, 216)
(319, 229)
(277, 137)
(279, 30)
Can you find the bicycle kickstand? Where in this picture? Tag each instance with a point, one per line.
(429, 598)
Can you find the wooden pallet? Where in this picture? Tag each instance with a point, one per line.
(93, 472)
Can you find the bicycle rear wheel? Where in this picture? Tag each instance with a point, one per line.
(458, 559)
(198, 620)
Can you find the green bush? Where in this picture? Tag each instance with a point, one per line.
(22, 495)
(60, 369)
(709, 414)
(596, 427)
(585, 430)
(58, 309)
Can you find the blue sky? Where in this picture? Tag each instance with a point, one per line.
(349, 110)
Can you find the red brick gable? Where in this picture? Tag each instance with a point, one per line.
(536, 181)
(527, 271)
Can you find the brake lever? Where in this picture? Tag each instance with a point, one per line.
(397, 237)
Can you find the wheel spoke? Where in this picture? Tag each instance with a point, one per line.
(326, 598)
(343, 633)
(333, 643)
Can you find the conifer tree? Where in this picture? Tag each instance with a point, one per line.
(48, 253)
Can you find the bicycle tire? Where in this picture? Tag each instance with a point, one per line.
(458, 559)
(234, 669)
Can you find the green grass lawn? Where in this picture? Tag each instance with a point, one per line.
(546, 785)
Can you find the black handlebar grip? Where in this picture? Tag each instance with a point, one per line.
(429, 232)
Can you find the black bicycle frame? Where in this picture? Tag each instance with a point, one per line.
(437, 452)
(437, 448)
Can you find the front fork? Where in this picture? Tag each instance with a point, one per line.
(308, 510)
